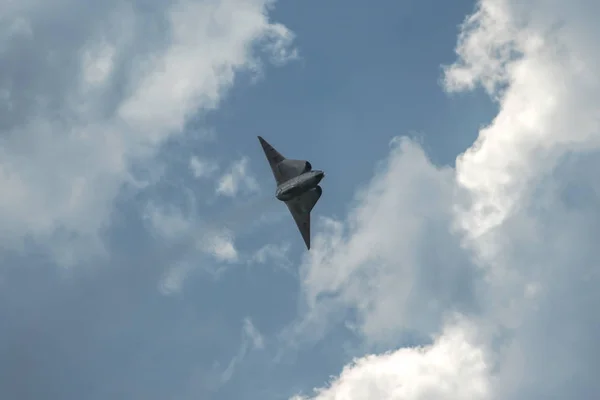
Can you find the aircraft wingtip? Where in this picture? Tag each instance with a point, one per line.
(262, 141)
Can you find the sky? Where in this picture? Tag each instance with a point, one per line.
(144, 256)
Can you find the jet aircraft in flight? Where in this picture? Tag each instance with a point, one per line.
(297, 186)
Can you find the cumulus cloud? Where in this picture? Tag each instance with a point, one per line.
(521, 205)
(387, 271)
(88, 90)
(452, 367)
(548, 106)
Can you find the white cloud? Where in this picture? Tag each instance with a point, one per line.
(221, 246)
(453, 367)
(524, 201)
(202, 168)
(549, 106)
(275, 255)
(237, 179)
(252, 339)
(391, 253)
(84, 100)
(170, 223)
(98, 64)
(255, 337)
(195, 238)
(271, 251)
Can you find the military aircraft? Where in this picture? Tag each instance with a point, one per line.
(297, 186)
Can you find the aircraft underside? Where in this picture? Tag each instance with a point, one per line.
(302, 196)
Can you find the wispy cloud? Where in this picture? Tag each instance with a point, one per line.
(196, 239)
(202, 168)
(221, 246)
(237, 179)
(252, 339)
(276, 254)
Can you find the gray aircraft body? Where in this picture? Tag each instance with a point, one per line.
(297, 186)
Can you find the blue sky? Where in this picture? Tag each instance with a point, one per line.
(144, 255)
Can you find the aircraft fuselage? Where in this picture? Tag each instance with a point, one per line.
(298, 185)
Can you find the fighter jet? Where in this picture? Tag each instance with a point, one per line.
(297, 186)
